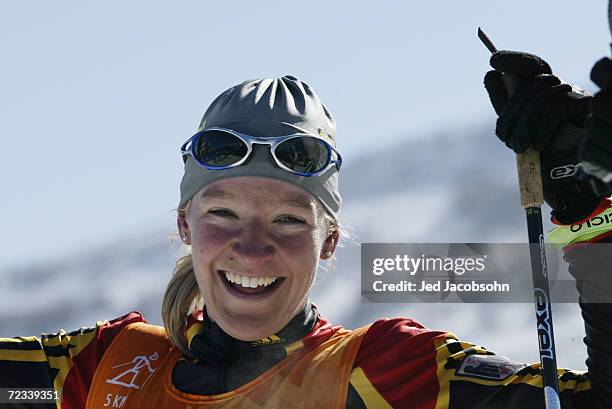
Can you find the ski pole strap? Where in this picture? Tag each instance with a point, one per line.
(581, 232)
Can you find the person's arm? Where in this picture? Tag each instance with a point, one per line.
(596, 150)
(63, 361)
(401, 364)
(591, 265)
(532, 117)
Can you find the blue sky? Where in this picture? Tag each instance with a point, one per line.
(97, 97)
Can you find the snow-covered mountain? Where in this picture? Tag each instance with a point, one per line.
(454, 186)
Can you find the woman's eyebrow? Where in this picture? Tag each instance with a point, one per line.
(299, 202)
(216, 193)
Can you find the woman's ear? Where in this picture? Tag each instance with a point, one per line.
(329, 245)
(183, 227)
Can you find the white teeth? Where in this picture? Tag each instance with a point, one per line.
(248, 282)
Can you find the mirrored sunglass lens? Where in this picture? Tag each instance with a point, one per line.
(218, 148)
(304, 154)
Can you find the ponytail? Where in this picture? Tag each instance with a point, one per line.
(181, 294)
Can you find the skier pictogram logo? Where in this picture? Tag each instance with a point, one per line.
(138, 374)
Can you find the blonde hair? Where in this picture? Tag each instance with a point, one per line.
(182, 294)
(179, 301)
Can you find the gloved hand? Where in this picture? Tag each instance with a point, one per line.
(596, 150)
(532, 117)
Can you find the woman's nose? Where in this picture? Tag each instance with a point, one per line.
(253, 246)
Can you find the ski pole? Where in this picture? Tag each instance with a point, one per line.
(532, 197)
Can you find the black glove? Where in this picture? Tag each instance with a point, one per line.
(532, 117)
(596, 150)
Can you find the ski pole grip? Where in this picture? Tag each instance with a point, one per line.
(527, 163)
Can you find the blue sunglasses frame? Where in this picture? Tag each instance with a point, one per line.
(273, 141)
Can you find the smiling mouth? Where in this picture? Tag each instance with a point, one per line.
(242, 285)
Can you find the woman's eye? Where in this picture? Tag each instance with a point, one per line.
(290, 220)
(221, 213)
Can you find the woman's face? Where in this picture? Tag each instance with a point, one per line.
(256, 243)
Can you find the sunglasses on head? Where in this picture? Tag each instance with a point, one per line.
(302, 154)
